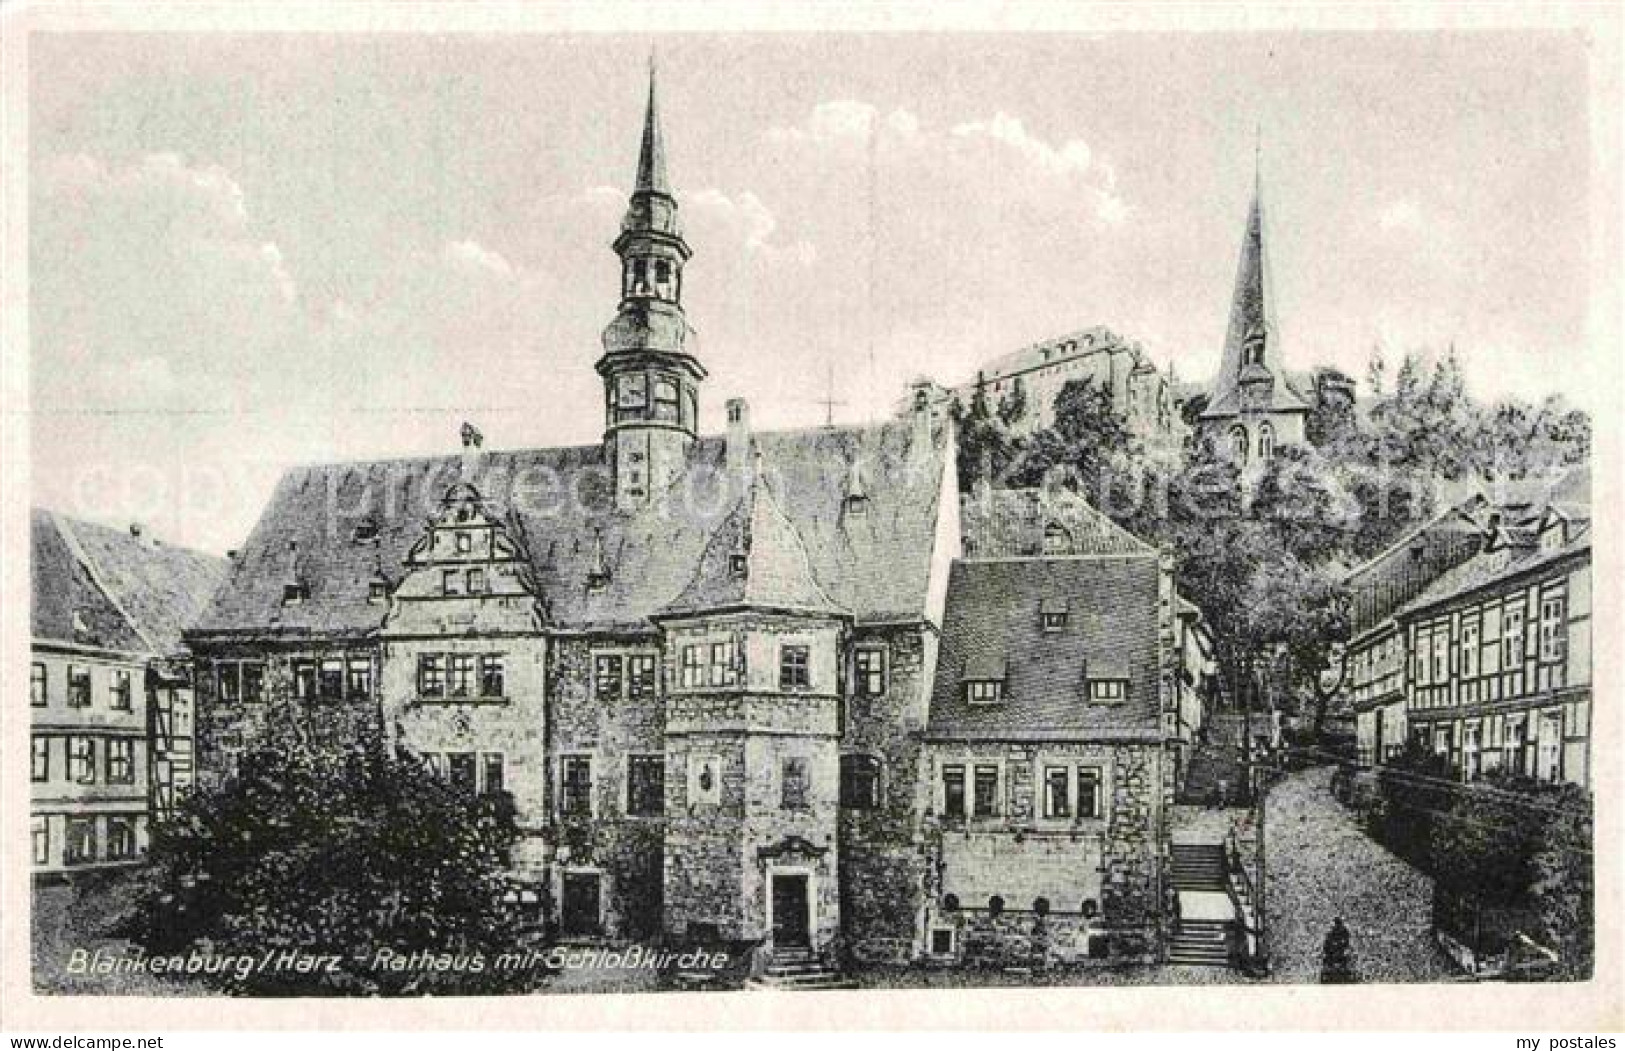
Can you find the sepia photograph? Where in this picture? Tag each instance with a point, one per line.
(555, 513)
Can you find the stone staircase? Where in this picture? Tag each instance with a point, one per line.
(799, 970)
(1197, 871)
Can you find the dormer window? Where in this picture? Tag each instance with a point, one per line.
(738, 563)
(984, 691)
(294, 592)
(597, 581)
(857, 505)
(1057, 541)
(1052, 613)
(366, 531)
(377, 591)
(80, 625)
(1108, 691)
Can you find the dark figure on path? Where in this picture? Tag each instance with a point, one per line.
(1336, 956)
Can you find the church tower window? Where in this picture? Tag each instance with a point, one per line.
(1266, 441)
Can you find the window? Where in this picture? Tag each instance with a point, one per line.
(36, 685)
(253, 681)
(1057, 541)
(1238, 444)
(1512, 638)
(793, 668)
(606, 677)
(1054, 620)
(953, 791)
(461, 771)
(1266, 441)
(451, 582)
(984, 691)
(665, 400)
(738, 563)
(793, 783)
(120, 762)
(82, 760)
(646, 785)
(330, 685)
(632, 391)
(304, 679)
(377, 591)
(228, 682)
(493, 675)
(81, 845)
(78, 686)
(1469, 646)
(1057, 792)
(476, 581)
(942, 941)
(869, 668)
(120, 838)
(494, 773)
(460, 675)
(294, 593)
(693, 667)
(1553, 627)
(860, 782)
(986, 801)
(640, 677)
(1088, 791)
(40, 764)
(723, 671)
(358, 677)
(431, 675)
(40, 830)
(575, 800)
(465, 543)
(1107, 691)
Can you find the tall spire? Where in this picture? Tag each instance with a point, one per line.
(652, 158)
(1252, 352)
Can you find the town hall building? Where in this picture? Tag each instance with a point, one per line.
(710, 670)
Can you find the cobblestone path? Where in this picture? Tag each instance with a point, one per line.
(1322, 865)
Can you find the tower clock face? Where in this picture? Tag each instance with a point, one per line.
(632, 392)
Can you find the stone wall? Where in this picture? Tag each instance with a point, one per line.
(1110, 865)
(882, 854)
(627, 850)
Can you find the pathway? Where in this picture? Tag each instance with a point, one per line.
(1322, 865)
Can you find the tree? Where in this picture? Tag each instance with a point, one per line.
(1088, 437)
(1013, 406)
(340, 854)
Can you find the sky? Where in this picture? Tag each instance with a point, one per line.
(254, 251)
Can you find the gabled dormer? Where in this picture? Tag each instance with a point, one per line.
(466, 573)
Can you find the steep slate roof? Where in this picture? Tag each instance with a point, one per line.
(1252, 310)
(1517, 550)
(131, 593)
(875, 566)
(1011, 523)
(993, 621)
(777, 574)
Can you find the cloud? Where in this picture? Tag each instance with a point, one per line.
(471, 255)
(744, 220)
(1404, 215)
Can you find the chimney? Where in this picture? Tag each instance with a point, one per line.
(136, 529)
(473, 440)
(738, 447)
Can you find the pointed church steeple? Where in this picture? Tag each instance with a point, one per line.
(652, 160)
(651, 374)
(1251, 375)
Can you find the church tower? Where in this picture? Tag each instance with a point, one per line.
(651, 375)
(1252, 409)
